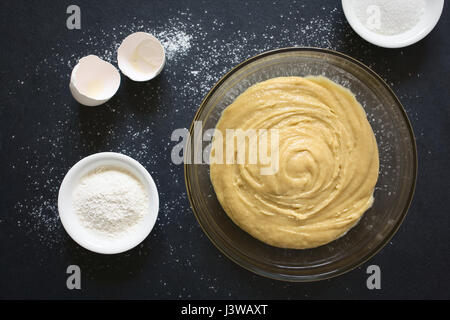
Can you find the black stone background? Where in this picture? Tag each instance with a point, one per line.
(43, 132)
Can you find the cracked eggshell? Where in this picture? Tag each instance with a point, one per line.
(94, 81)
(141, 57)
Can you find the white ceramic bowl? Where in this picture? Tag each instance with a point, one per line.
(89, 239)
(430, 18)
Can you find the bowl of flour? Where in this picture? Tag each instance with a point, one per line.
(108, 203)
(393, 23)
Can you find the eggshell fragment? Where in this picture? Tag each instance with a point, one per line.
(94, 81)
(141, 56)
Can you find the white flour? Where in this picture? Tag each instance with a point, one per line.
(174, 42)
(110, 201)
(389, 17)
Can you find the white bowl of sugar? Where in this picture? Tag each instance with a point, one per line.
(108, 203)
(393, 23)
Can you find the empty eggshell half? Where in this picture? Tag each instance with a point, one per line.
(94, 81)
(141, 56)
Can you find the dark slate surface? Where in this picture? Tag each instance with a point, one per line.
(43, 132)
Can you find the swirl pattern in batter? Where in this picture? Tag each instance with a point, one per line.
(327, 162)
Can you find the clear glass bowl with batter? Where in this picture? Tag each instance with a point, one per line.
(393, 192)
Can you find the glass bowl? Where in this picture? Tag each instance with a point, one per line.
(393, 192)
